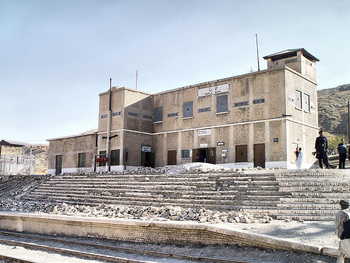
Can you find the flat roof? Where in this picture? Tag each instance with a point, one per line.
(291, 52)
(13, 143)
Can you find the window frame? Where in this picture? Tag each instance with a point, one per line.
(81, 160)
(298, 99)
(115, 157)
(223, 99)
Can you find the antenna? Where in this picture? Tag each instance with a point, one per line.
(137, 64)
(257, 50)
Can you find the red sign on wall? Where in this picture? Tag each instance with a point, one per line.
(102, 160)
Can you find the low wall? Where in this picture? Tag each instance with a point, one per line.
(146, 232)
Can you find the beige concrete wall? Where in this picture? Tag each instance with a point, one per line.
(268, 86)
(131, 109)
(145, 232)
(133, 143)
(69, 148)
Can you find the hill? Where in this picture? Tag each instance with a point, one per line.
(333, 109)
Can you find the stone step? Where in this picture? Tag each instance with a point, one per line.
(307, 206)
(344, 183)
(137, 190)
(314, 188)
(317, 200)
(327, 195)
(305, 218)
(204, 200)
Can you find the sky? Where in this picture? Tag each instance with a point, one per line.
(57, 56)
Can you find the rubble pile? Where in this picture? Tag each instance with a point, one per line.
(147, 213)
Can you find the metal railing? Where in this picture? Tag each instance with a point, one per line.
(17, 165)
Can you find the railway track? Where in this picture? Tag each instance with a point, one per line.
(87, 251)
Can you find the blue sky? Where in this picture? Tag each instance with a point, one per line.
(57, 56)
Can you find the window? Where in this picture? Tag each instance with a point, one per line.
(188, 109)
(81, 159)
(221, 104)
(298, 99)
(115, 157)
(241, 153)
(158, 114)
(306, 102)
(185, 154)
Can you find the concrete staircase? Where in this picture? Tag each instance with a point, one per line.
(310, 195)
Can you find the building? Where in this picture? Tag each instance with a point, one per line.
(250, 120)
(16, 158)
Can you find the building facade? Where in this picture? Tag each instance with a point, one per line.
(250, 120)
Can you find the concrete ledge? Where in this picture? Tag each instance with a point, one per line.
(148, 231)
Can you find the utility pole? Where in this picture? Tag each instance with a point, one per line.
(109, 123)
(257, 50)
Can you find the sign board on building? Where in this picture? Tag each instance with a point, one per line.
(203, 145)
(204, 132)
(213, 90)
(224, 150)
(102, 160)
(146, 149)
(221, 143)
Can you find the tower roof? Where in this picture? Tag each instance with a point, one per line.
(291, 53)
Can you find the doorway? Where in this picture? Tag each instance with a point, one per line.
(172, 157)
(58, 165)
(147, 159)
(259, 155)
(204, 155)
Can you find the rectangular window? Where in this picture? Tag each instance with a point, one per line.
(158, 114)
(241, 153)
(221, 104)
(185, 154)
(81, 159)
(306, 101)
(298, 97)
(188, 109)
(115, 157)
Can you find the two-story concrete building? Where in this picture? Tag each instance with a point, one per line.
(250, 120)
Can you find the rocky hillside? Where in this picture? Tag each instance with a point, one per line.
(333, 109)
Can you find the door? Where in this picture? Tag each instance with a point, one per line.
(204, 155)
(58, 166)
(212, 155)
(259, 155)
(172, 157)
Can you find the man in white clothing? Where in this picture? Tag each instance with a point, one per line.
(344, 244)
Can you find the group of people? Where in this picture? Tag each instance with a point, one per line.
(321, 146)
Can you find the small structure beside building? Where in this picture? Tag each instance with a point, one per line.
(16, 161)
(250, 120)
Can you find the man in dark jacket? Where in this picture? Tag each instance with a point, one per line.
(342, 150)
(321, 146)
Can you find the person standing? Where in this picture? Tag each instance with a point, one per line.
(299, 160)
(321, 146)
(342, 150)
(340, 218)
